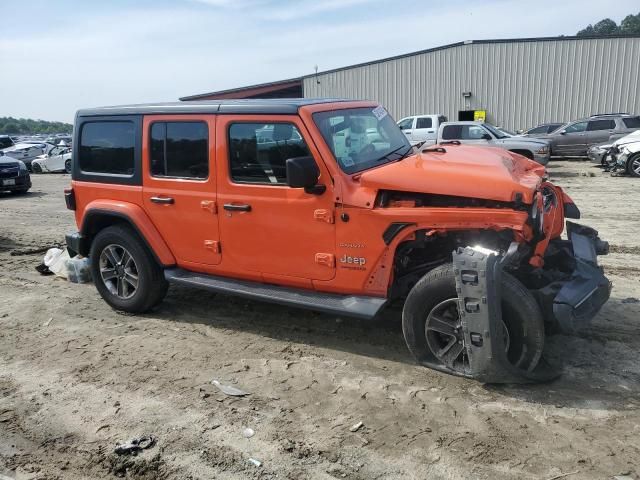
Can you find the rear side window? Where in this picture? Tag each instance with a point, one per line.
(107, 148)
(633, 122)
(601, 125)
(463, 132)
(258, 151)
(424, 122)
(179, 150)
(543, 129)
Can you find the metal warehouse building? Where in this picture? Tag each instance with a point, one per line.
(518, 83)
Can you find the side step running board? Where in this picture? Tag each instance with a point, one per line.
(347, 305)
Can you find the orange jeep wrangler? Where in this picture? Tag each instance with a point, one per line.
(324, 204)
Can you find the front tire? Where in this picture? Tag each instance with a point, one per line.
(67, 166)
(432, 328)
(36, 168)
(633, 165)
(125, 273)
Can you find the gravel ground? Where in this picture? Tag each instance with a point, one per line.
(76, 377)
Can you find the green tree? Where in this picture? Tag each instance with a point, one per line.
(11, 128)
(630, 24)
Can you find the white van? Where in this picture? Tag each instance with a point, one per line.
(422, 128)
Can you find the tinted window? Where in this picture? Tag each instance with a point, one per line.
(258, 151)
(180, 149)
(5, 142)
(601, 125)
(462, 132)
(553, 127)
(406, 124)
(576, 127)
(633, 122)
(424, 122)
(107, 147)
(543, 129)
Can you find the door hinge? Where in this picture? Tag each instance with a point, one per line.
(326, 259)
(209, 205)
(213, 245)
(323, 215)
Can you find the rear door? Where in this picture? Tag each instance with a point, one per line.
(266, 226)
(468, 134)
(571, 140)
(179, 185)
(599, 131)
(424, 131)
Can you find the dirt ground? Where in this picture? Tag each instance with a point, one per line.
(76, 377)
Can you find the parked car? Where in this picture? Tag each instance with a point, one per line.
(480, 133)
(575, 138)
(14, 176)
(542, 129)
(6, 141)
(57, 160)
(26, 152)
(624, 155)
(421, 128)
(334, 222)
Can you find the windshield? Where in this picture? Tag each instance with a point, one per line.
(361, 138)
(496, 133)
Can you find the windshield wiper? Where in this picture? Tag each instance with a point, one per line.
(395, 151)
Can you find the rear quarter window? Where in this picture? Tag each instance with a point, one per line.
(631, 122)
(108, 148)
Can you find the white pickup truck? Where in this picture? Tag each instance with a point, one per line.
(421, 128)
(480, 133)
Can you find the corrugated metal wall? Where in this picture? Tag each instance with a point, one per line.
(519, 83)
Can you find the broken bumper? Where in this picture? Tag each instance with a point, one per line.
(582, 295)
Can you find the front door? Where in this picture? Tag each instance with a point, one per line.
(265, 225)
(599, 131)
(572, 140)
(424, 131)
(179, 185)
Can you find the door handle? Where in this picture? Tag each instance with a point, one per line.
(232, 207)
(163, 200)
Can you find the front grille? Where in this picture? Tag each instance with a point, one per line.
(9, 172)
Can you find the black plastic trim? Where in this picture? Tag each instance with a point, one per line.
(393, 230)
(571, 211)
(89, 215)
(356, 306)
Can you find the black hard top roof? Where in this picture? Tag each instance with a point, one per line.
(247, 106)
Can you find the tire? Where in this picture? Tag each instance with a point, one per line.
(522, 321)
(36, 168)
(633, 165)
(115, 281)
(67, 165)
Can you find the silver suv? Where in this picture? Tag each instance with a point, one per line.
(575, 138)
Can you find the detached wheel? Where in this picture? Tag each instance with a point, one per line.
(433, 331)
(67, 165)
(633, 165)
(125, 273)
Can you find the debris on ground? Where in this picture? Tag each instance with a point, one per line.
(55, 259)
(48, 322)
(78, 269)
(257, 463)
(42, 269)
(248, 433)
(229, 390)
(630, 300)
(135, 445)
(356, 427)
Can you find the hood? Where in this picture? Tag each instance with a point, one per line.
(631, 138)
(462, 171)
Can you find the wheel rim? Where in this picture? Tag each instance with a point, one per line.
(445, 336)
(635, 166)
(119, 271)
(67, 166)
(36, 168)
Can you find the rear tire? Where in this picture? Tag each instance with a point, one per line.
(431, 304)
(633, 165)
(67, 165)
(124, 271)
(36, 168)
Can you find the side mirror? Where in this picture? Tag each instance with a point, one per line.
(563, 132)
(302, 172)
(486, 136)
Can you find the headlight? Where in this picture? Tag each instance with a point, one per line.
(22, 166)
(543, 150)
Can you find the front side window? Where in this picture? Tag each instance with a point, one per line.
(258, 152)
(632, 122)
(576, 127)
(405, 124)
(361, 138)
(179, 149)
(463, 132)
(424, 122)
(536, 130)
(107, 147)
(553, 127)
(601, 125)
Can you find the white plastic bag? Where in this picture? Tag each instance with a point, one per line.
(55, 259)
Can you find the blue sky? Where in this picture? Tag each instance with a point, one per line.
(62, 55)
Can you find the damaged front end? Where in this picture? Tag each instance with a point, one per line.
(570, 289)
